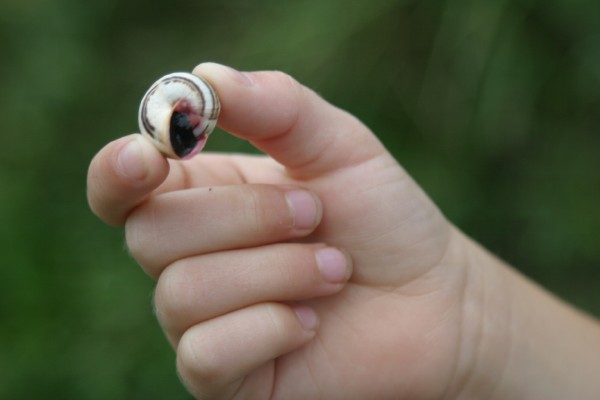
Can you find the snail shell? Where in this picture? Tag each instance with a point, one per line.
(178, 113)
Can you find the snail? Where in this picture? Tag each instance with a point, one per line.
(178, 113)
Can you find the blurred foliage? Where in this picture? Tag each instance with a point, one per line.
(493, 106)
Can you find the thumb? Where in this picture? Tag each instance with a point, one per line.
(289, 121)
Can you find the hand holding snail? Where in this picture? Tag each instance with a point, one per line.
(178, 113)
(255, 295)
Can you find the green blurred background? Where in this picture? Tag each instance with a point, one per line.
(493, 106)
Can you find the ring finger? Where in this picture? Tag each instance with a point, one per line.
(200, 288)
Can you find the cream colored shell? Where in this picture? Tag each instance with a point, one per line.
(178, 113)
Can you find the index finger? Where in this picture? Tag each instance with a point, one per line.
(128, 170)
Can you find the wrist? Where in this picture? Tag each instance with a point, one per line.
(519, 341)
(486, 327)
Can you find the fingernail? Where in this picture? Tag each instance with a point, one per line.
(333, 265)
(239, 77)
(304, 208)
(308, 317)
(131, 161)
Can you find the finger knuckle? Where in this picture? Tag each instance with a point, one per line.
(169, 298)
(141, 243)
(267, 210)
(275, 315)
(198, 361)
(291, 109)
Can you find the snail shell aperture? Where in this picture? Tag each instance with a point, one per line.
(178, 113)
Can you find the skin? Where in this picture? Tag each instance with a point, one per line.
(407, 307)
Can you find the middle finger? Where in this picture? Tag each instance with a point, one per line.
(191, 222)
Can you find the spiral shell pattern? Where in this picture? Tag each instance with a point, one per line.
(178, 113)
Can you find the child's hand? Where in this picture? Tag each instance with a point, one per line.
(253, 289)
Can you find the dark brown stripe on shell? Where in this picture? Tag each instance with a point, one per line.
(192, 85)
(147, 125)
